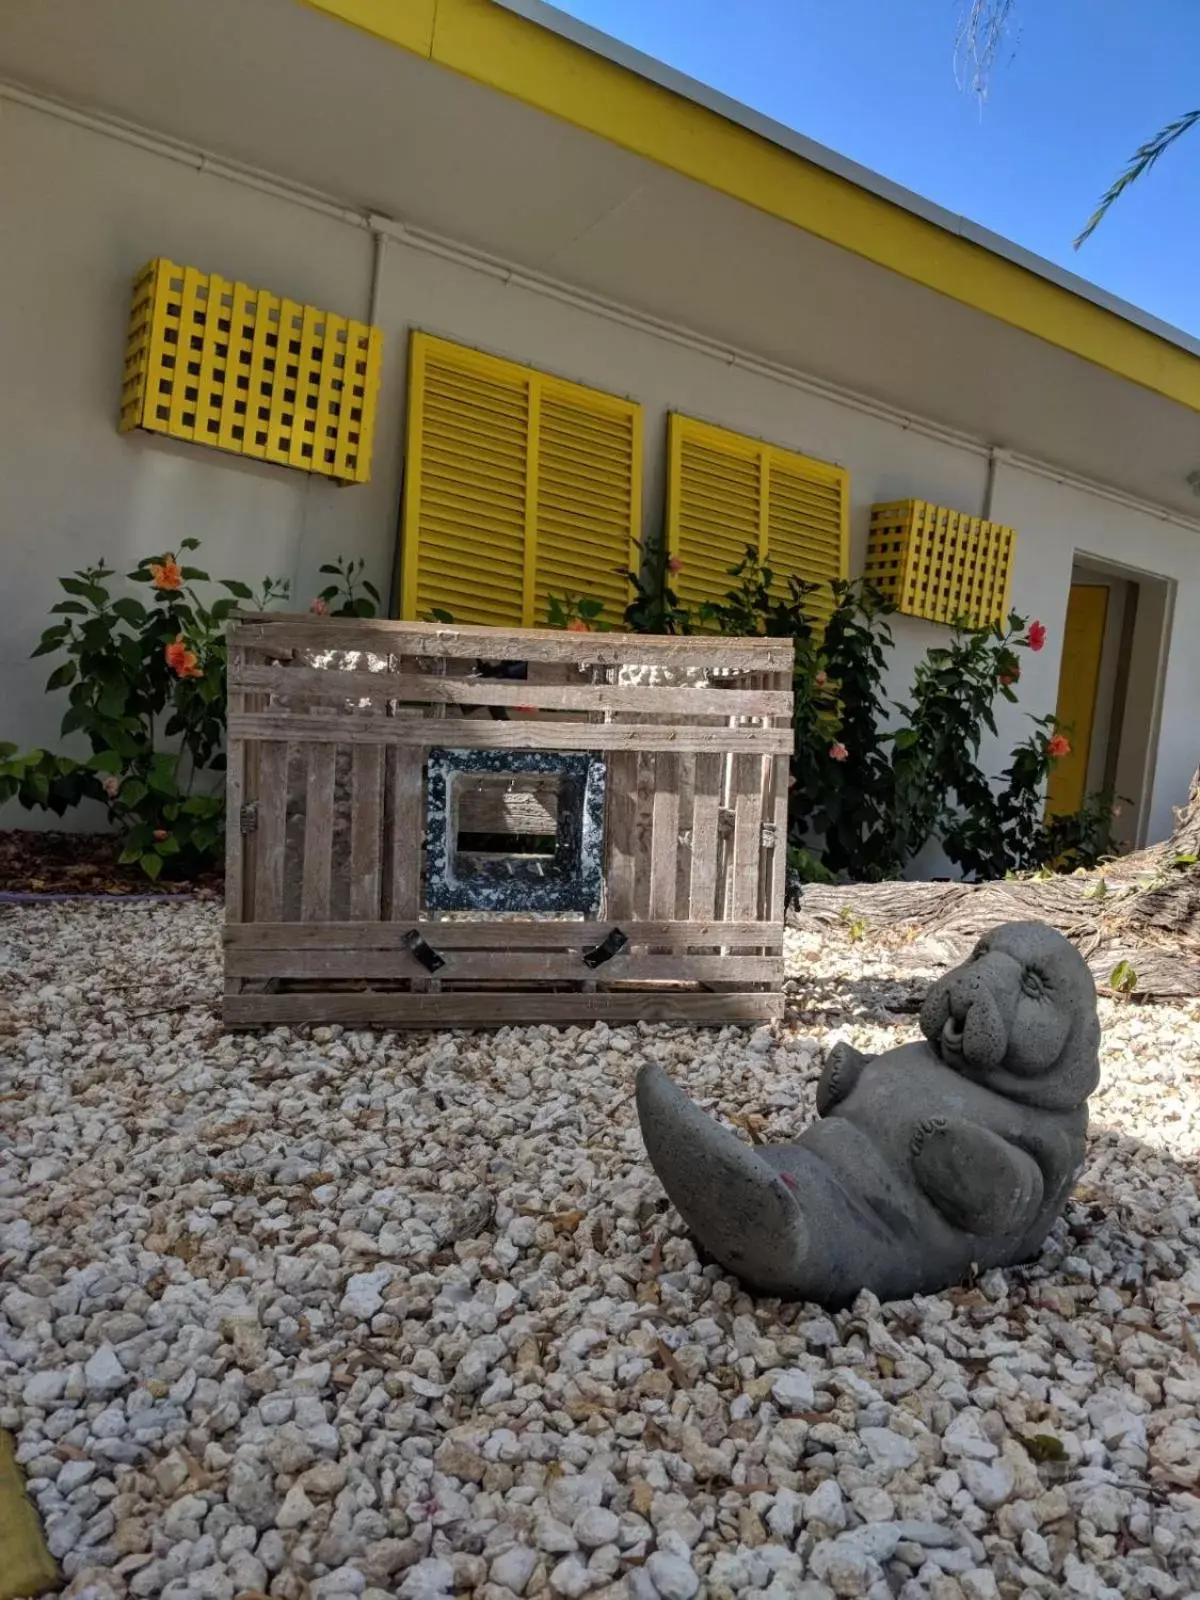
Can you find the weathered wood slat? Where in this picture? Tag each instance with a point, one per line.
(334, 684)
(775, 902)
(483, 1011)
(493, 810)
(544, 966)
(683, 853)
(747, 835)
(706, 812)
(271, 830)
(366, 833)
(405, 833)
(622, 832)
(469, 735)
(496, 933)
(318, 832)
(267, 631)
(235, 798)
(664, 836)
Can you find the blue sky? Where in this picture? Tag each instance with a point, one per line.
(1081, 85)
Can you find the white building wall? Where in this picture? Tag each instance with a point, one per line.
(83, 211)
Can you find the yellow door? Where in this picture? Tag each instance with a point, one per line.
(1078, 681)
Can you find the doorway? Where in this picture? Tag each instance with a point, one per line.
(1109, 688)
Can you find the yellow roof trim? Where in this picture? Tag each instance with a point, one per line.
(520, 58)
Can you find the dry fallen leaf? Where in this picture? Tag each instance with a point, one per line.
(666, 1356)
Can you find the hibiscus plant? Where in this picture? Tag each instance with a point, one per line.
(872, 780)
(145, 680)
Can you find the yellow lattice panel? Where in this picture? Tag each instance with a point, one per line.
(518, 486)
(728, 492)
(940, 564)
(217, 362)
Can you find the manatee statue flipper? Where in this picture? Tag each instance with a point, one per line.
(842, 1070)
(978, 1181)
(737, 1205)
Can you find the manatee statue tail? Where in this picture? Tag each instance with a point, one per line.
(739, 1207)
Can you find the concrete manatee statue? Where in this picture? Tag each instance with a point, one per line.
(956, 1150)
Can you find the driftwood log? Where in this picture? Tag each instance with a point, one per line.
(1136, 919)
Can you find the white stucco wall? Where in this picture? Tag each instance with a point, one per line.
(83, 212)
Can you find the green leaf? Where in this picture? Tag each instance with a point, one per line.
(194, 574)
(130, 854)
(61, 676)
(1044, 1447)
(161, 776)
(151, 863)
(113, 700)
(243, 591)
(189, 544)
(168, 846)
(336, 571)
(69, 608)
(52, 640)
(202, 805)
(130, 610)
(85, 590)
(1123, 978)
(106, 761)
(133, 791)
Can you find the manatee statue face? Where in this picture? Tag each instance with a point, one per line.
(1019, 1017)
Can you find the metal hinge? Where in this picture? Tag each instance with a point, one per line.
(598, 954)
(424, 953)
(248, 817)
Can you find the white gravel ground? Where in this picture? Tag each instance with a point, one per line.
(323, 1314)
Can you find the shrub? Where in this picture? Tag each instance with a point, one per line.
(873, 781)
(145, 680)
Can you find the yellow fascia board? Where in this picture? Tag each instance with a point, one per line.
(517, 57)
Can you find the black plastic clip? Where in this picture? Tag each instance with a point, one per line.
(605, 951)
(424, 953)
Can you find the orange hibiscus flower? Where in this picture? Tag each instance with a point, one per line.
(167, 573)
(578, 625)
(1058, 746)
(182, 661)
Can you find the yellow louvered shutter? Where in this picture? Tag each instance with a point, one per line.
(517, 486)
(588, 496)
(727, 491)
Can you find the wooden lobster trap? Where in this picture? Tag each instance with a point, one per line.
(455, 826)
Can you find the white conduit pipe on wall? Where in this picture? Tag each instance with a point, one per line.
(521, 278)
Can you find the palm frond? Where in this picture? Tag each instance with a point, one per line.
(1142, 161)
